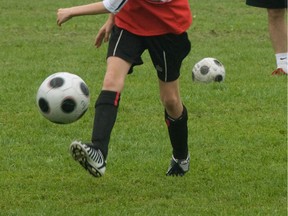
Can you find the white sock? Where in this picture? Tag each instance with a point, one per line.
(282, 61)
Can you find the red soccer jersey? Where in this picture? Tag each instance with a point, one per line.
(152, 17)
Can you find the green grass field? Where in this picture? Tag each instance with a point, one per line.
(238, 129)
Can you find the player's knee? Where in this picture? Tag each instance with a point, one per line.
(113, 84)
(170, 102)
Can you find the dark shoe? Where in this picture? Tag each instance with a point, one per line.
(90, 158)
(178, 167)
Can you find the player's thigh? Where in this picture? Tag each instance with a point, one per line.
(125, 45)
(276, 13)
(167, 53)
(116, 72)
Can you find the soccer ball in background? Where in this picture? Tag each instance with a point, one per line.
(63, 98)
(208, 70)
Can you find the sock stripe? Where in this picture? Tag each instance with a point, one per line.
(116, 101)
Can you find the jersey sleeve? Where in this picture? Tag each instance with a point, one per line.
(114, 6)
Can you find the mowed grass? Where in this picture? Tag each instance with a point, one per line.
(237, 129)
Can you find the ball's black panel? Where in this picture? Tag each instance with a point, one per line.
(204, 70)
(56, 82)
(43, 105)
(68, 105)
(56, 122)
(193, 76)
(218, 62)
(218, 78)
(84, 89)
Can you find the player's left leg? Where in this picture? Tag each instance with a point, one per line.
(278, 34)
(176, 119)
(167, 53)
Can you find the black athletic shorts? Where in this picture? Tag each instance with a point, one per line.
(166, 51)
(271, 4)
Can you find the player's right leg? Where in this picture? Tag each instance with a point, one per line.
(93, 156)
(124, 51)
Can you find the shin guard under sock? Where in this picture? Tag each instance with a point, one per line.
(178, 133)
(106, 108)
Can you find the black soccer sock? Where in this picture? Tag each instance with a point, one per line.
(178, 133)
(106, 108)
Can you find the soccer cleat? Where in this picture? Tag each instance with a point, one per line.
(279, 72)
(178, 167)
(90, 158)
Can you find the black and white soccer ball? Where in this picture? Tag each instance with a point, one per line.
(208, 70)
(63, 98)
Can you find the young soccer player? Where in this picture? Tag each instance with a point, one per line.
(277, 23)
(134, 26)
